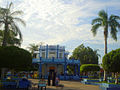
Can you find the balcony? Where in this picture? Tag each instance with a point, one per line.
(56, 61)
(52, 47)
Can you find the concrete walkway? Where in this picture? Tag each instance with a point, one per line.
(70, 85)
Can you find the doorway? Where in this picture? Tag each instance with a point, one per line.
(51, 71)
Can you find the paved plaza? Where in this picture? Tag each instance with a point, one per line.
(70, 85)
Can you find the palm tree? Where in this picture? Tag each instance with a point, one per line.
(33, 47)
(108, 23)
(8, 19)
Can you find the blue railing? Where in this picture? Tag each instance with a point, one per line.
(62, 61)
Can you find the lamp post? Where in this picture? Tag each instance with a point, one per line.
(40, 69)
(40, 65)
(65, 67)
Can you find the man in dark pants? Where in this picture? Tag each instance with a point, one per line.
(54, 79)
(49, 79)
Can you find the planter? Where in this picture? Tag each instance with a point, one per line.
(90, 83)
(90, 80)
(105, 86)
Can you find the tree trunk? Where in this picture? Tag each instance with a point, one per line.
(105, 78)
(5, 35)
(3, 73)
(105, 49)
(105, 37)
(116, 78)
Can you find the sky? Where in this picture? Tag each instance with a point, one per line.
(65, 22)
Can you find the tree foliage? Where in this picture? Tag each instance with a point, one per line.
(109, 23)
(33, 47)
(14, 58)
(111, 61)
(12, 39)
(89, 67)
(9, 19)
(86, 55)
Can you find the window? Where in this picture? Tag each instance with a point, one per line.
(43, 54)
(52, 54)
(60, 55)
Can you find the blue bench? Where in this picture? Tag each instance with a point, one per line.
(41, 86)
(9, 84)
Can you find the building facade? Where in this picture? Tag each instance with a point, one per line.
(54, 58)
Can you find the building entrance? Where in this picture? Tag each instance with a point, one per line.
(52, 75)
(51, 71)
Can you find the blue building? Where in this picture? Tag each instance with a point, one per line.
(54, 58)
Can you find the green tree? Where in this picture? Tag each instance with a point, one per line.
(92, 68)
(108, 23)
(13, 57)
(89, 67)
(111, 62)
(9, 19)
(86, 55)
(104, 21)
(33, 47)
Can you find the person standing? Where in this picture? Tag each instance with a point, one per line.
(54, 79)
(49, 79)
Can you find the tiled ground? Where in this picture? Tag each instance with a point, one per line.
(69, 85)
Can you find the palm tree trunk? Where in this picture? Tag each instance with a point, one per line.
(5, 35)
(105, 45)
(105, 51)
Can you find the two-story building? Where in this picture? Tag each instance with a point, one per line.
(54, 58)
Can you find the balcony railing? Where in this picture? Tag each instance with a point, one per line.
(51, 47)
(61, 61)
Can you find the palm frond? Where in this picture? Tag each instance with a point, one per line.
(94, 29)
(3, 11)
(16, 30)
(19, 32)
(10, 5)
(21, 21)
(114, 17)
(113, 20)
(96, 20)
(33, 47)
(114, 26)
(16, 13)
(114, 33)
(104, 16)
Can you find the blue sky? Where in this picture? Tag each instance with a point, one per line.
(65, 22)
